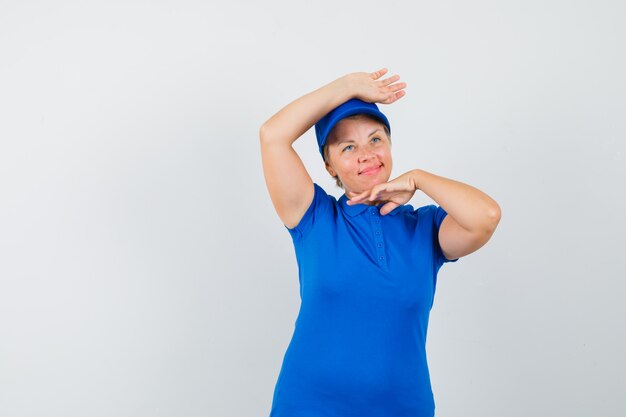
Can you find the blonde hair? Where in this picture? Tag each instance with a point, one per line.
(354, 116)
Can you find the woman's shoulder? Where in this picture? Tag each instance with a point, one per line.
(321, 208)
(320, 192)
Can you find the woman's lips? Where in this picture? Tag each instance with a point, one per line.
(371, 171)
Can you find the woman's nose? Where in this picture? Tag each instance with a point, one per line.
(365, 155)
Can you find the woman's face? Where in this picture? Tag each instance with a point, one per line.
(360, 154)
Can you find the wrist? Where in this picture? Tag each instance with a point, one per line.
(415, 176)
(344, 87)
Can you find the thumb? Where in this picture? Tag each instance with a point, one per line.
(388, 208)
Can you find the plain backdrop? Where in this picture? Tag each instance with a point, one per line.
(144, 272)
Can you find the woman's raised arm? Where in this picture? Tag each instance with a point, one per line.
(288, 182)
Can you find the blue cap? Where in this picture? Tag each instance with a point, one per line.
(349, 108)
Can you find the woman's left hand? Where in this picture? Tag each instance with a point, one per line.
(394, 193)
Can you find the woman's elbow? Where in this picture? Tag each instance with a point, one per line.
(494, 214)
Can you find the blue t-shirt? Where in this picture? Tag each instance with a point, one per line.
(367, 284)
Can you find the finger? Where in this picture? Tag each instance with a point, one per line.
(393, 97)
(359, 197)
(375, 195)
(389, 91)
(377, 74)
(389, 80)
(384, 196)
(396, 87)
(379, 195)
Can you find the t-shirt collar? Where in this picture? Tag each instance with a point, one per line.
(356, 209)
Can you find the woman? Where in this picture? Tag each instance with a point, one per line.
(367, 262)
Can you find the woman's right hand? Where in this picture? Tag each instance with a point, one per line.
(367, 86)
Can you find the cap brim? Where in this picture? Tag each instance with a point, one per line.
(336, 118)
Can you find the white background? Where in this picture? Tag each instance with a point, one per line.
(144, 272)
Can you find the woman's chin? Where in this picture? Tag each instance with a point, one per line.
(372, 180)
(363, 186)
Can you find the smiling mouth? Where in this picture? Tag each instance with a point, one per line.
(370, 169)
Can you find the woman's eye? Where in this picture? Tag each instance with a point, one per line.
(376, 138)
(347, 147)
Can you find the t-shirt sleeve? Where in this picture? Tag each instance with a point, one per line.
(318, 208)
(440, 214)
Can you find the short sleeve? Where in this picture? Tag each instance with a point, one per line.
(316, 211)
(440, 214)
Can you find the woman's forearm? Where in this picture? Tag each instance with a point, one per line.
(293, 120)
(469, 207)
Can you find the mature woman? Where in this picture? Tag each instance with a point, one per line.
(367, 262)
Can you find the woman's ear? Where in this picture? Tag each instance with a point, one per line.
(330, 170)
